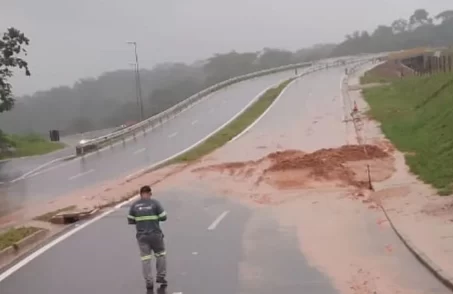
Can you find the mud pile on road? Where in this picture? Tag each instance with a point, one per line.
(319, 166)
(295, 169)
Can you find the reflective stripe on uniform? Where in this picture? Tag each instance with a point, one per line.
(131, 216)
(146, 217)
(161, 253)
(147, 257)
(163, 214)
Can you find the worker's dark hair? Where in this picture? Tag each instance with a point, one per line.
(145, 189)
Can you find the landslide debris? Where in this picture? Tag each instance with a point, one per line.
(297, 169)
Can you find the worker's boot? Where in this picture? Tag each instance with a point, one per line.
(162, 281)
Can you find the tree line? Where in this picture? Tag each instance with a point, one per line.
(109, 100)
(419, 30)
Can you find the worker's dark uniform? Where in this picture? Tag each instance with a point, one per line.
(146, 215)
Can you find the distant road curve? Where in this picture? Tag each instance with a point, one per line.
(123, 159)
(17, 168)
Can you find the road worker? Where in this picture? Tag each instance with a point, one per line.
(146, 214)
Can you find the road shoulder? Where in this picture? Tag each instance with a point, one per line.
(421, 218)
(339, 232)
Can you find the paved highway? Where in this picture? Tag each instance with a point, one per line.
(205, 236)
(17, 168)
(13, 169)
(204, 255)
(308, 117)
(73, 140)
(122, 159)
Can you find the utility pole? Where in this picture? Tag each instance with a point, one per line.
(137, 77)
(136, 89)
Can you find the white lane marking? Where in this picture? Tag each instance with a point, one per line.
(46, 170)
(197, 143)
(81, 174)
(121, 204)
(265, 112)
(140, 151)
(179, 113)
(194, 122)
(177, 292)
(150, 129)
(49, 245)
(35, 170)
(172, 135)
(218, 220)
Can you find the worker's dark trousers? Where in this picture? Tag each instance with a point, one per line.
(149, 244)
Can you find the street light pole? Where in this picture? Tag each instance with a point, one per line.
(139, 87)
(136, 89)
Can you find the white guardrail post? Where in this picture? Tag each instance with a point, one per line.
(173, 111)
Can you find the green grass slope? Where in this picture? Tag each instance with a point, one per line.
(28, 145)
(417, 116)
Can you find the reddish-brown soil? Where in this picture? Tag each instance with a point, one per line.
(295, 169)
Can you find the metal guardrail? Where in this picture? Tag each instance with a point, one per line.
(175, 110)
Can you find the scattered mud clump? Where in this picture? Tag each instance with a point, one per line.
(438, 209)
(290, 169)
(233, 168)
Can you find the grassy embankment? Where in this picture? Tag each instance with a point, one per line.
(417, 116)
(235, 127)
(372, 77)
(12, 236)
(28, 145)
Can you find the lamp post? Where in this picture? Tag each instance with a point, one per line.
(137, 79)
(136, 88)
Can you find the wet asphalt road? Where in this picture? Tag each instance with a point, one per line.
(312, 113)
(123, 159)
(73, 140)
(11, 170)
(104, 258)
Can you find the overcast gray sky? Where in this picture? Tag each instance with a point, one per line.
(72, 39)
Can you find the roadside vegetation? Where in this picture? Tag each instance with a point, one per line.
(416, 114)
(14, 235)
(372, 77)
(17, 146)
(169, 83)
(235, 127)
(48, 216)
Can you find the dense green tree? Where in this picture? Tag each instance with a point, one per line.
(420, 17)
(12, 44)
(445, 16)
(400, 26)
(419, 30)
